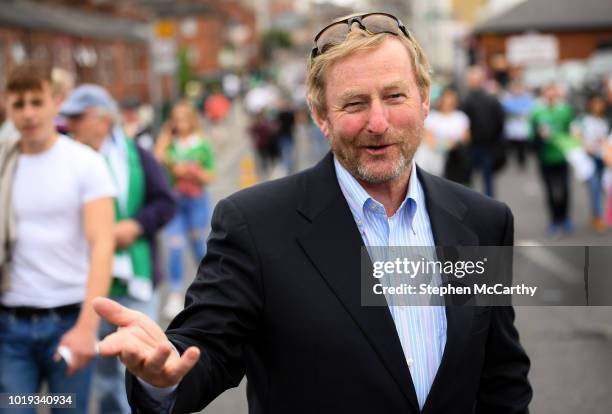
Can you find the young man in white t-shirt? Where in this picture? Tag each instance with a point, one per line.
(63, 214)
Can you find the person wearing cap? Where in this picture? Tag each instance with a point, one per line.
(56, 246)
(144, 204)
(278, 295)
(133, 124)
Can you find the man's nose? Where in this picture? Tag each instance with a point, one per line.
(377, 122)
(28, 110)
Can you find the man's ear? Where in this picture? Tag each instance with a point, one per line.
(426, 102)
(321, 122)
(108, 123)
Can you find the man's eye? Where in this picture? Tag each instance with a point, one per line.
(395, 96)
(18, 105)
(353, 105)
(37, 102)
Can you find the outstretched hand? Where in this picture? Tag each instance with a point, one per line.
(142, 346)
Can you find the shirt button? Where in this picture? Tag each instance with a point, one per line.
(410, 362)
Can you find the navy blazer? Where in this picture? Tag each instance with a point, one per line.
(277, 298)
(159, 204)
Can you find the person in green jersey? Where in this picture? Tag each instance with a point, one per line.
(188, 157)
(549, 126)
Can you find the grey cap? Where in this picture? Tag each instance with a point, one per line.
(88, 96)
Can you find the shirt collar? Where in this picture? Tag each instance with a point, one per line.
(359, 200)
(113, 142)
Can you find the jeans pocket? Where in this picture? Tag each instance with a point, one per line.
(6, 321)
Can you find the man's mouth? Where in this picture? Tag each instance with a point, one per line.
(379, 149)
(29, 127)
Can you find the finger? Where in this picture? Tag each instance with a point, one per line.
(113, 312)
(151, 328)
(145, 330)
(133, 356)
(114, 344)
(155, 363)
(140, 334)
(187, 361)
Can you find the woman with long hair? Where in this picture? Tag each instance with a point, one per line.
(447, 131)
(188, 157)
(592, 129)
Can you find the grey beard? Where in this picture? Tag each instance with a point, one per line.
(366, 176)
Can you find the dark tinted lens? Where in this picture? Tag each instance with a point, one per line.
(380, 23)
(333, 35)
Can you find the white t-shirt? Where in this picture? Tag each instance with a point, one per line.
(594, 131)
(50, 262)
(447, 128)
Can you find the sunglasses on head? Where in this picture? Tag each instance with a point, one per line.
(374, 23)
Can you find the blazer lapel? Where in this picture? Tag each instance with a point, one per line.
(446, 214)
(333, 245)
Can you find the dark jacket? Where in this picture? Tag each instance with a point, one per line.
(486, 117)
(278, 297)
(159, 204)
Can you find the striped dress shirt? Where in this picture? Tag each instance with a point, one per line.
(421, 329)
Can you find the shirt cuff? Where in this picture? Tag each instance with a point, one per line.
(157, 393)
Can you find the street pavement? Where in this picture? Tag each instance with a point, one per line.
(570, 347)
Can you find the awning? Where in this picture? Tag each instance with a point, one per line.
(37, 16)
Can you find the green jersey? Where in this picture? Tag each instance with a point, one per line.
(195, 152)
(555, 120)
(192, 149)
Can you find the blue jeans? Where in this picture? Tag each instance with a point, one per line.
(27, 346)
(286, 148)
(596, 188)
(189, 224)
(482, 159)
(109, 381)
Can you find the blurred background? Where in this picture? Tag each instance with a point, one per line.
(242, 66)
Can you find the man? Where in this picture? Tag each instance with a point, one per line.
(133, 124)
(518, 104)
(486, 127)
(278, 294)
(143, 205)
(62, 83)
(550, 124)
(57, 213)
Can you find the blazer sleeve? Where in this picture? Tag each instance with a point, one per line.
(223, 308)
(504, 388)
(159, 204)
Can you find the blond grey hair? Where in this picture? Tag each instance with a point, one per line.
(360, 40)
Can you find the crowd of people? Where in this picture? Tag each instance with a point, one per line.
(86, 191)
(73, 160)
(479, 131)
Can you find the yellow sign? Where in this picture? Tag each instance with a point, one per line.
(165, 29)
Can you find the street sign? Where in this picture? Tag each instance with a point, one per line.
(164, 29)
(532, 49)
(164, 56)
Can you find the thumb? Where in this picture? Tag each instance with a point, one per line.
(113, 312)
